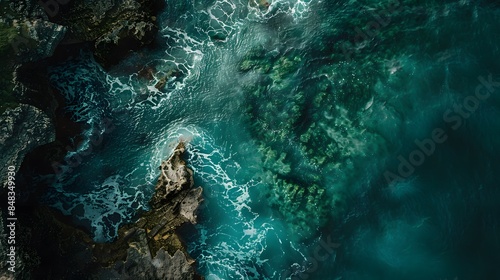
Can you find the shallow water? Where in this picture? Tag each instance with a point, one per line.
(386, 88)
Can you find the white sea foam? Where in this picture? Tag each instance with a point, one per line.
(230, 245)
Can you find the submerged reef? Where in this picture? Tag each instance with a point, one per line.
(311, 117)
(308, 132)
(310, 105)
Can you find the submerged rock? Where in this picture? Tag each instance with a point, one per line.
(263, 4)
(163, 80)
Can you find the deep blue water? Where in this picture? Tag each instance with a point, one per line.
(388, 87)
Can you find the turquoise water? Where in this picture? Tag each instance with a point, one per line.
(294, 115)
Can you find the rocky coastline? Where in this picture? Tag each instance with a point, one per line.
(35, 36)
(150, 248)
(35, 129)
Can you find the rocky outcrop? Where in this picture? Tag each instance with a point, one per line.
(151, 248)
(32, 31)
(37, 39)
(21, 130)
(31, 39)
(147, 249)
(27, 38)
(114, 27)
(142, 266)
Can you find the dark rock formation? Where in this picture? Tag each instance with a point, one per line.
(34, 35)
(37, 39)
(21, 130)
(31, 39)
(147, 249)
(24, 122)
(32, 31)
(114, 27)
(151, 248)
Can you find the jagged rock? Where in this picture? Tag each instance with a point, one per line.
(115, 27)
(142, 266)
(175, 176)
(22, 129)
(190, 204)
(151, 248)
(147, 249)
(37, 39)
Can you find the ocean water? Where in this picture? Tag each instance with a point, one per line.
(333, 139)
